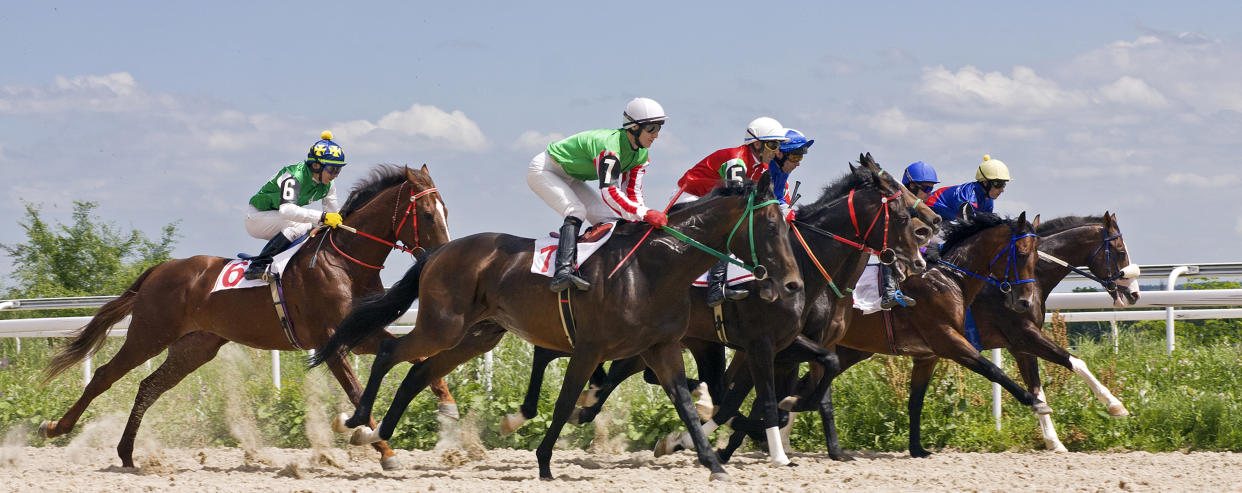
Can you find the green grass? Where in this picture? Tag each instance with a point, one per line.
(1188, 401)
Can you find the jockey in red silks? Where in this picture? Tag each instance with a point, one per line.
(617, 158)
(760, 146)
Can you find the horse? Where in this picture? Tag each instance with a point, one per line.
(1095, 242)
(482, 284)
(173, 305)
(758, 329)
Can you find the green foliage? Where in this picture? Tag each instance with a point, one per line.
(85, 258)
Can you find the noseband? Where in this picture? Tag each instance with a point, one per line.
(1108, 283)
(1011, 266)
(409, 213)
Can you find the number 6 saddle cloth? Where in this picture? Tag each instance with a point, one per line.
(231, 277)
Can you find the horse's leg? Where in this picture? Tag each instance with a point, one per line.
(581, 366)
(1028, 367)
(184, 356)
(618, 371)
(384, 360)
(759, 357)
(734, 395)
(142, 344)
(665, 361)
(530, 405)
(447, 406)
(920, 377)
(353, 390)
(955, 347)
(1032, 340)
(841, 359)
(710, 358)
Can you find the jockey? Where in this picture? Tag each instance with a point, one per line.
(615, 157)
(760, 146)
(919, 179)
(791, 155)
(990, 181)
(277, 212)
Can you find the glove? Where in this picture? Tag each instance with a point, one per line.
(331, 219)
(655, 218)
(789, 218)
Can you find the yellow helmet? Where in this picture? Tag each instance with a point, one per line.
(991, 169)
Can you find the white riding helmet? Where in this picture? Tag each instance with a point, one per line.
(991, 169)
(765, 128)
(642, 110)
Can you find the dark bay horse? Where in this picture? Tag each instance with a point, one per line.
(173, 305)
(866, 196)
(1095, 242)
(476, 287)
(979, 250)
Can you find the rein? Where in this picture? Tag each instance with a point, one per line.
(1005, 286)
(409, 213)
(890, 257)
(759, 271)
(1109, 283)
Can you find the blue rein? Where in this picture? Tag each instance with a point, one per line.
(1011, 266)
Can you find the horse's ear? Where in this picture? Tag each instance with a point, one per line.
(1035, 223)
(409, 175)
(1022, 220)
(425, 170)
(765, 184)
(868, 161)
(852, 167)
(967, 213)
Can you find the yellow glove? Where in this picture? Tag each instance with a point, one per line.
(331, 219)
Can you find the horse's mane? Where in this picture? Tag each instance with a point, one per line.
(956, 231)
(1057, 225)
(382, 177)
(859, 178)
(722, 190)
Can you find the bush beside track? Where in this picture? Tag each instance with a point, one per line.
(1189, 401)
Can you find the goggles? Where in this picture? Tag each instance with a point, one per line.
(795, 157)
(771, 145)
(917, 187)
(997, 184)
(652, 128)
(332, 170)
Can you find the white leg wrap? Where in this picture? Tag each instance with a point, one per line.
(1115, 408)
(338, 423)
(775, 450)
(703, 401)
(688, 443)
(1046, 428)
(364, 435)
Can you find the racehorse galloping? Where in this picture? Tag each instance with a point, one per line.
(483, 282)
(173, 305)
(1095, 242)
(866, 196)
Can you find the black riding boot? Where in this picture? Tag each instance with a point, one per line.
(717, 285)
(258, 264)
(567, 256)
(892, 295)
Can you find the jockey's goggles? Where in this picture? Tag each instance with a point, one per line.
(924, 187)
(771, 145)
(795, 157)
(652, 128)
(997, 184)
(332, 170)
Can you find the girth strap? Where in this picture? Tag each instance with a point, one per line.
(282, 312)
(565, 305)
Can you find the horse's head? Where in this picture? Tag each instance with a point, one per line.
(1111, 262)
(892, 230)
(429, 210)
(1006, 251)
(399, 205)
(760, 237)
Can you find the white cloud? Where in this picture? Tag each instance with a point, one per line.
(454, 129)
(112, 93)
(1133, 92)
(1197, 180)
(972, 91)
(533, 141)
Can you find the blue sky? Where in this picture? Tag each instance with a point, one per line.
(168, 112)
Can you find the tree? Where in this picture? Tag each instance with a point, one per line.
(86, 258)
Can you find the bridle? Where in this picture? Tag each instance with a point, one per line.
(409, 215)
(886, 255)
(759, 271)
(1108, 283)
(1011, 265)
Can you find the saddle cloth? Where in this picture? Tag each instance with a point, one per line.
(545, 248)
(867, 291)
(232, 276)
(735, 275)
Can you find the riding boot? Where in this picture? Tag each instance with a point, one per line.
(892, 295)
(717, 287)
(258, 264)
(567, 256)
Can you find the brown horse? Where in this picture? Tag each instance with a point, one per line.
(981, 249)
(867, 195)
(1095, 242)
(173, 305)
(483, 284)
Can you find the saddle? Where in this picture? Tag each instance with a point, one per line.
(592, 234)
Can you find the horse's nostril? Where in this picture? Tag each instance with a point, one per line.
(922, 233)
(793, 287)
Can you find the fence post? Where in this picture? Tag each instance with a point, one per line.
(86, 371)
(1168, 312)
(998, 359)
(1113, 323)
(276, 369)
(487, 371)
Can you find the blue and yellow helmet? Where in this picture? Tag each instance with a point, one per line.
(325, 152)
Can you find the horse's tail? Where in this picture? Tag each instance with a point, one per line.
(372, 314)
(90, 337)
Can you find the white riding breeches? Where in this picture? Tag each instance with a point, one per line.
(265, 224)
(566, 195)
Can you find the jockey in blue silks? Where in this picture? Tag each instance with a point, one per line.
(919, 179)
(791, 155)
(990, 181)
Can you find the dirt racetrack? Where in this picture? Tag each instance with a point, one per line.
(81, 470)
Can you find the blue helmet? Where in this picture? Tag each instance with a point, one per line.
(796, 141)
(325, 152)
(919, 171)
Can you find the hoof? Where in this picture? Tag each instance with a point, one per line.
(44, 427)
(1118, 410)
(667, 445)
(510, 423)
(920, 454)
(788, 403)
(449, 411)
(338, 423)
(364, 435)
(588, 397)
(703, 402)
(1041, 407)
(390, 463)
(575, 415)
(1058, 447)
(721, 476)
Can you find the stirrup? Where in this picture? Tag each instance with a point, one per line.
(561, 283)
(253, 274)
(897, 299)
